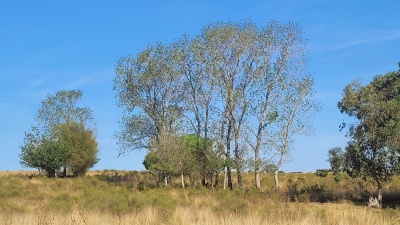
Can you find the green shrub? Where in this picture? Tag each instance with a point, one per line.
(322, 172)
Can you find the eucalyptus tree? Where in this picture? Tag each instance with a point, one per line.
(373, 151)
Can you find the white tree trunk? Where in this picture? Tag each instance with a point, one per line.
(276, 180)
(225, 178)
(183, 181)
(380, 195)
(257, 179)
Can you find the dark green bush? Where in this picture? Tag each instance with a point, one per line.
(322, 172)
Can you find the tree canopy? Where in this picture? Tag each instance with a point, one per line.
(45, 152)
(373, 150)
(63, 138)
(237, 84)
(83, 147)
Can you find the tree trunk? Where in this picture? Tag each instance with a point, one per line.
(225, 177)
(200, 153)
(65, 171)
(257, 178)
(380, 195)
(276, 180)
(228, 161)
(206, 137)
(229, 176)
(203, 180)
(257, 158)
(51, 173)
(239, 177)
(238, 168)
(183, 181)
(216, 179)
(166, 180)
(228, 153)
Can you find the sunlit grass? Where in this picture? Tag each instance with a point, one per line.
(113, 197)
(294, 213)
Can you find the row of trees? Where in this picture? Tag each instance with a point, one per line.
(201, 105)
(374, 147)
(63, 138)
(232, 90)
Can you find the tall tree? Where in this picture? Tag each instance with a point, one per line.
(229, 48)
(228, 84)
(148, 87)
(293, 120)
(280, 59)
(373, 150)
(200, 97)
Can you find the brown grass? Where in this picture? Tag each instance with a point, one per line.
(294, 213)
(112, 197)
(18, 172)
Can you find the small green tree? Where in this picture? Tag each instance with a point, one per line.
(44, 152)
(336, 159)
(167, 157)
(373, 151)
(270, 168)
(64, 133)
(83, 147)
(177, 156)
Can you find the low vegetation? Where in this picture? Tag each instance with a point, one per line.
(121, 197)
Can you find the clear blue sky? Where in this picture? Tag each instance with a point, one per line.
(47, 46)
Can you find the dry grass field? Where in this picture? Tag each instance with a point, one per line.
(118, 197)
(292, 214)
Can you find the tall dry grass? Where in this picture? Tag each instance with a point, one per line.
(292, 214)
(134, 198)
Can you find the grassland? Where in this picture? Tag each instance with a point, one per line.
(118, 197)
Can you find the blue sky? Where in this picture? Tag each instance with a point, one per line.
(46, 46)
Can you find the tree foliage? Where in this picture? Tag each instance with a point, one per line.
(62, 108)
(237, 84)
(45, 152)
(177, 156)
(373, 150)
(148, 86)
(64, 136)
(336, 159)
(83, 149)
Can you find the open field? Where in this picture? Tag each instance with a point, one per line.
(118, 197)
